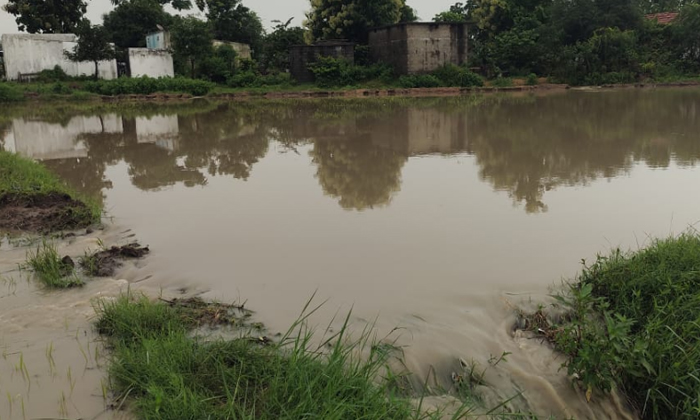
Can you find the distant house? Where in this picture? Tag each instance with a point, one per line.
(663, 18)
(158, 40)
(419, 47)
(28, 54)
(300, 56)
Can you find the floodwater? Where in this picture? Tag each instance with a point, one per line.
(439, 216)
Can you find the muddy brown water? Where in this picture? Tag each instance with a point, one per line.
(436, 215)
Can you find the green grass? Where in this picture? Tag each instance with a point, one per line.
(635, 324)
(24, 178)
(161, 369)
(50, 269)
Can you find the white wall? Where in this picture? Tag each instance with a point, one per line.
(151, 63)
(32, 53)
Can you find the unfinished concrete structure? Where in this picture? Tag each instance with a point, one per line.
(29, 54)
(300, 56)
(419, 47)
(151, 63)
(243, 51)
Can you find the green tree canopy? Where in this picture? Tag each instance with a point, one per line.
(130, 22)
(192, 41)
(176, 4)
(352, 19)
(276, 51)
(231, 21)
(40, 16)
(93, 45)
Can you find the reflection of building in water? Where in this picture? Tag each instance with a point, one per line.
(44, 141)
(161, 130)
(419, 131)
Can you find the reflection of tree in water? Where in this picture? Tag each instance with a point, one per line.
(527, 147)
(361, 175)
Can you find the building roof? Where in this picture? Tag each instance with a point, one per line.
(663, 18)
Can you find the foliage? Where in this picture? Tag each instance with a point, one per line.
(51, 269)
(502, 82)
(39, 16)
(168, 373)
(275, 55)
(10, 93)
(146, 86)
(686, 35)
(250, 79)
(175, 4)
(231, 21)
(192, 41)
(219, 66)
(633, 325)
(532, 80)
(350, 19)
(419, 81)
(451, 75)
(456, 14)
(130, 22)
(93, 45)
(333, 72)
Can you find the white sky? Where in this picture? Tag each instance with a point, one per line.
(268, 10)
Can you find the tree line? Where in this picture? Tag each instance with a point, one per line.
(572, 41)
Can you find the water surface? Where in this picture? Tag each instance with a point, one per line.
(437, 215)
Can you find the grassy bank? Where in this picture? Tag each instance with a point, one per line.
(32, 198)
(634, 324)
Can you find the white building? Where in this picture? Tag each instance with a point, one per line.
(26, 54)
(151, 63)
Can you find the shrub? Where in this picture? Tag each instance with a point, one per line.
(333, 72)
(220, 65)
(10, 93)
(451, 75)
(146, 86)
(54, 75)
(419, 81)
(531, 80)
(502, 82)
(252, 80)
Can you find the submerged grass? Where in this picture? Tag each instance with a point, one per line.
(51, 269)
(634, 323)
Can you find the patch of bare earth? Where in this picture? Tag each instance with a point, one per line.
(41, 213)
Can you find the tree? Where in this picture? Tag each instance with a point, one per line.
(687, 36)
(408, 13)
(276, 51)
(93, 45)
(350, 19)
(130, 22)
(231, 21)
(192, 41)
(176, 4)
(456, 14)
(39, 16)
(577, 20)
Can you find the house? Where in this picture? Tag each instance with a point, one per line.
(419, 47)
(300, 56)
(26, 55)
(158, 40)
(663, 18)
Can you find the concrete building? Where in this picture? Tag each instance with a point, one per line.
(151, 63)
(420, 47)
(300, 56)
(28, 54)
(158, 40)
(243, 51)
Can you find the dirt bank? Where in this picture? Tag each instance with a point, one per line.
(41, 213)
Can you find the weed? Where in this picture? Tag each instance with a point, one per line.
(532, 80)
(502, 82)
(51, 269)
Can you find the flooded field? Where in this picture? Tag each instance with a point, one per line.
(440, 216)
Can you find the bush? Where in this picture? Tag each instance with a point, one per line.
(10, 93)
(532, 80)
(220, 65)
(146, 86)
(451, 75)
(252, 80)
(54, 75)
(333, 72)
(633, 324)
(502, 82)
(419, 81)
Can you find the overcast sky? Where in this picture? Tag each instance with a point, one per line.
(268, 10)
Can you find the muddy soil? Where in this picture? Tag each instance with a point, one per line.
(41, 213)
(105, 263)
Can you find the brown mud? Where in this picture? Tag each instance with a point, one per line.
(41, 213)
(105, 263)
